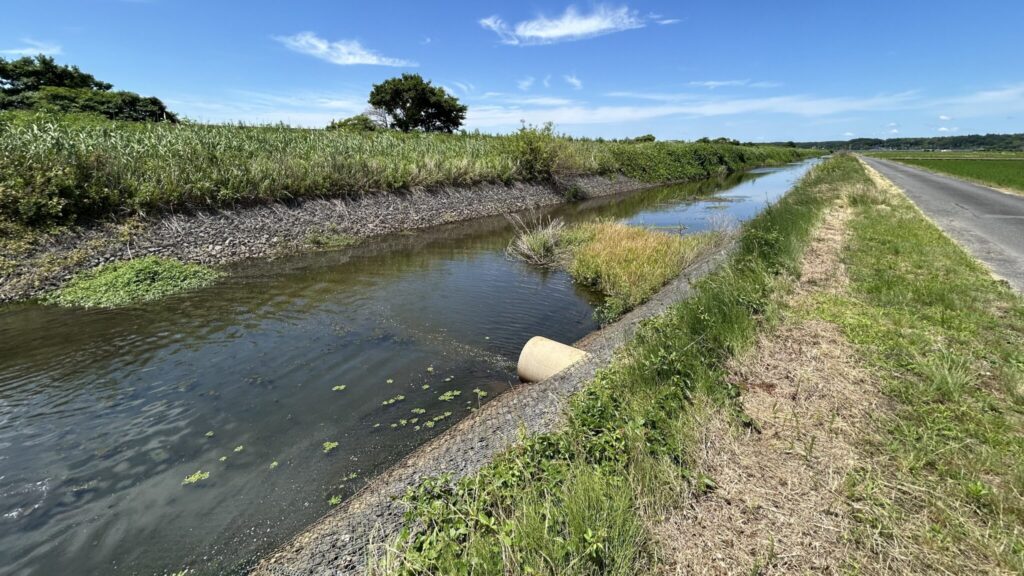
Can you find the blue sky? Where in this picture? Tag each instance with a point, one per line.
(755, 70)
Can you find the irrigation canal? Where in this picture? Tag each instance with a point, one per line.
(380, 347)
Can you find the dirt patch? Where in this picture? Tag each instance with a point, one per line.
(779, 506)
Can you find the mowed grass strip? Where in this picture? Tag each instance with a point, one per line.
(578, 500)
(944, 492)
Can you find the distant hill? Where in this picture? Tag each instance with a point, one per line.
(967, 142)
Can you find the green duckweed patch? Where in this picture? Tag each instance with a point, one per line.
(132, 282)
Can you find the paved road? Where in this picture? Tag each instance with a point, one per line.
(988, 223)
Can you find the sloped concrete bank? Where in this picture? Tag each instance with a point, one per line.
(338, 543)
(223, 236)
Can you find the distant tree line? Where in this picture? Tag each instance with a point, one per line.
(995, 142)
(39, 83)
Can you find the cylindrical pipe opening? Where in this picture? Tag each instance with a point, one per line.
(542, 358)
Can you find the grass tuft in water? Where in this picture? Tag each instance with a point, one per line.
(132, 282)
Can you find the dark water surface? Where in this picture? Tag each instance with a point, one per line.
(103, 413)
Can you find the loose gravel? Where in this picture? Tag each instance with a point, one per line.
(223, 236)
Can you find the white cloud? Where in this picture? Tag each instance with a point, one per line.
(308, 109)
(943, 129)
(666, 21)
(894, 131)
(464, 87)
(712, 84)
(33, 47)
(944, 117)
(547, 81)
(848, 134)
(685, 105)
(891, 125)
(525, 83)
(341, 52)
(1009, 100)
(571, 25)
(573, 81)
(801, 105)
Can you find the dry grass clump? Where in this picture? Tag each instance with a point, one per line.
(629, 264)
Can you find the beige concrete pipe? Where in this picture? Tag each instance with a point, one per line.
(542, 358)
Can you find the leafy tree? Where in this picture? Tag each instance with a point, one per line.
(40, 83)
(30, 74)
(412, 103)
(357, 123)
(118, 105)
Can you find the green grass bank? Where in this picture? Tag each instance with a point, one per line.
(943, 489)
(60, 170)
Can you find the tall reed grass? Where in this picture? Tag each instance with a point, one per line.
(60, 170)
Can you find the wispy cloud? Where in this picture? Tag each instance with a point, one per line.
(525, 83)
(944, 118)
(309, 109)
(948, 128)
(547, 81)
(712, 84)
(1007, 100)
(682, 105)
(571, 25)
(341, 52)
(464, 87)
(849, 134)
(667, 21)
(573, 81)
(32, 47)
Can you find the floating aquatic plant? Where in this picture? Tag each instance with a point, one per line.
(392, 400)
(209, 434)
(430, 368)
(193, 478)
(239, 448)
(328, 446)
(339, 387)
(418, 411)
(334, 500)
(425, 386)
(390, 381)
(449, 395)
(480, 393)
(273, 464)
(223, 458)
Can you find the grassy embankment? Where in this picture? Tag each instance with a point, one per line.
(627, 264)
(576, 501)
(63, 171)
(1000, 169)
(944, 490)
(943, 486)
